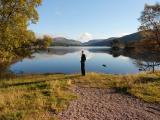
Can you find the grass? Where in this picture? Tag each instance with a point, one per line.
(41, 97)
(38, 97)
(145, 86)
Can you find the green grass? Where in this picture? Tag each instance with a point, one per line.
(145, 86)
(41, 97)
(37, 97)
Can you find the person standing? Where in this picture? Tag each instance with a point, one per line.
(83, 60)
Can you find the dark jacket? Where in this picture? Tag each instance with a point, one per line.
(83, 58)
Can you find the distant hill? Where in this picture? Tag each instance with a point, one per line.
(125, 40)
(135, 37)
(129, 41)
(61, 41)
(100, 42)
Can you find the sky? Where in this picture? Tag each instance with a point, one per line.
(84, 20)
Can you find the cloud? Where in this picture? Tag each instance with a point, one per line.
(85, 37)
(122, 34)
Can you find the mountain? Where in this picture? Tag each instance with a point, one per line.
(129, 41)
(134, 37)
(92, 42)
(61, 41)
(125, 40)
(100, 42)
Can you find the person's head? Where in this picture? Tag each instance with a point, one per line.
(82, 52)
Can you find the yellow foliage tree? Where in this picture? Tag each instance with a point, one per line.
(15, 16)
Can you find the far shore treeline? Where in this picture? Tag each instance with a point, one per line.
(16, 40)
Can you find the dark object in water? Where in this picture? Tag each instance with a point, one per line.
(104, 65)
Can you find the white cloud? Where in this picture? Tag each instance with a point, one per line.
(85, 37)
(123, 34)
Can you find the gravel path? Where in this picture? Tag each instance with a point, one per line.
(105, 104)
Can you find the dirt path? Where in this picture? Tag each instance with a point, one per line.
(104, 104)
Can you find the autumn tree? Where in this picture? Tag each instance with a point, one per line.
(43, 43)
(15, 16)
(150, 24)
(47, 41)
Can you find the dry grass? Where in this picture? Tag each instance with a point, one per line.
(34, 97)
(41, 97)
(143, 85)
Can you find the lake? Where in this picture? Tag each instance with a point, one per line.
(67, 60)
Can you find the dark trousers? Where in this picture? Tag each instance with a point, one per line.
(83, 68)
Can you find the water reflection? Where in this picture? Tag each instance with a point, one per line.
(144, 60)
(67, 50)
(67, 60)
(62, 50)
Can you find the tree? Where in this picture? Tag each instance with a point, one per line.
(47, 41)
(150, 23)
(116, 44)
(43, 43)
(15, 16)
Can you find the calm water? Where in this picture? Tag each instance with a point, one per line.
(67, 60)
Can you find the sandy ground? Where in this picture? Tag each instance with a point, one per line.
(105, 104)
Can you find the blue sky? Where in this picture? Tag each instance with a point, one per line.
(89, 19)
